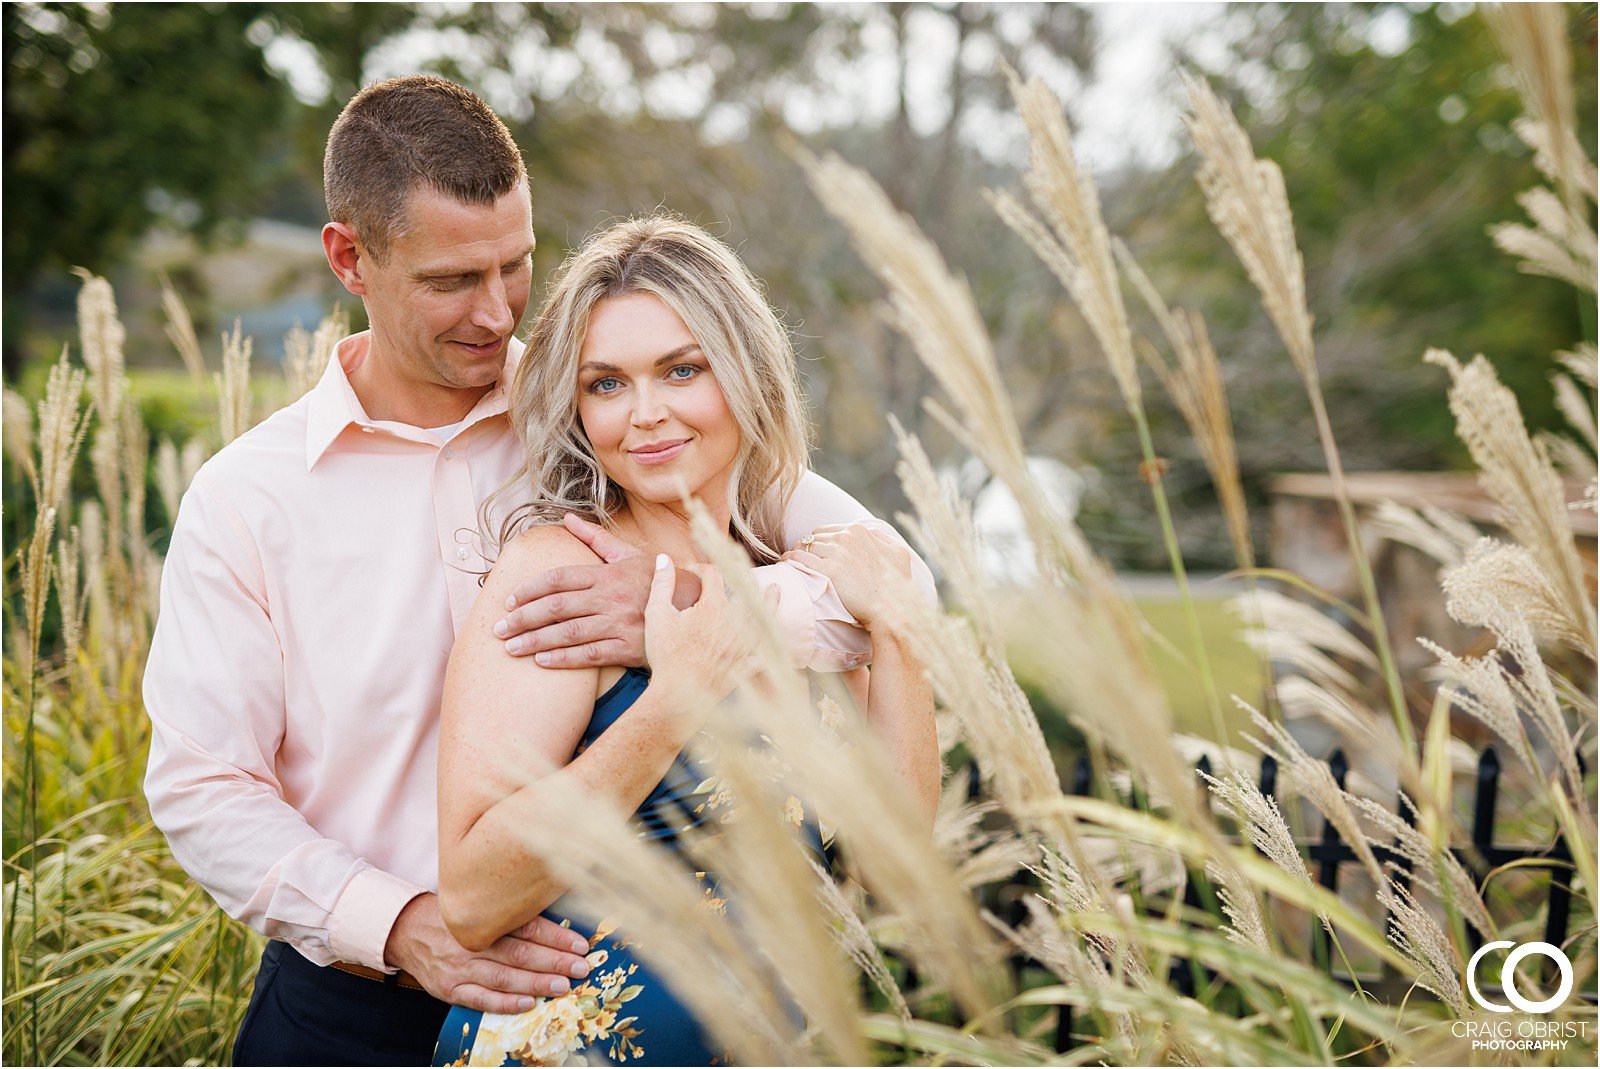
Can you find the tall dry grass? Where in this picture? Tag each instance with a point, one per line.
(896, 955)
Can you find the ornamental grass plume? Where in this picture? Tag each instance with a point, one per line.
(180, 330)
(1261, 823)
(1286, 624)
(61, 429)
(1583, 363)
(1436, 870)
(1480, 688)
(1196, 386)
(1533, 39)
(1248, 203)
(101, 337)
(866, 802)
(761, 866)
(233, 384)
(1561, 242)
(850, 932)
(941, 523)
(1559, 245)
(1100, 667)
(1359, 727)
(1238, 900)
(1495, 579)
(1418, 936)
(70, 597)
(1527, 680)
(1574, 406)
(1434, 531)
(1516, 473)
(936, 312)
(978, 854)
(1312, 780)
(1076, 247)
(16, 425)
(305, 354)
(590, 846)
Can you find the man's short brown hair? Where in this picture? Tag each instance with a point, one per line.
(419, 130)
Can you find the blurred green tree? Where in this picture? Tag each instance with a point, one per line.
(117, 116)
(1392, 125)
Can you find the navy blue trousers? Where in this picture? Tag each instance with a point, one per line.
(304, 1014)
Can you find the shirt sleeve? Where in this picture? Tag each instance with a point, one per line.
(824, 637)
(214, 692)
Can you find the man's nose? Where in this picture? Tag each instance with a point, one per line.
(492, 309)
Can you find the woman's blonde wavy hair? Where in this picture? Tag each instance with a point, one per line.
(749, 351)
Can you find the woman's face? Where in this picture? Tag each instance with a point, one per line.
(651, 406)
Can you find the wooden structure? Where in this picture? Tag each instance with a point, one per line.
(1307, 538)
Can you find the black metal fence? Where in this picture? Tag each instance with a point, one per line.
(1328, 854)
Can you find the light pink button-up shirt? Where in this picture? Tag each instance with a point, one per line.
(319, 568)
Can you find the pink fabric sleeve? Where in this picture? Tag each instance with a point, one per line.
(824, 637)
(213, 689)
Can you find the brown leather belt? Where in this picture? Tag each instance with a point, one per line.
(402, 979)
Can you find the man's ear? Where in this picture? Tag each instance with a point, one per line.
(345, 256)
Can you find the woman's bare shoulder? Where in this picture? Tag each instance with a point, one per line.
(538, 549)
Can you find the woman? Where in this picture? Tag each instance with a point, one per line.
(655, 369)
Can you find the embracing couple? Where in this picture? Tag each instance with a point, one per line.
(353, 723)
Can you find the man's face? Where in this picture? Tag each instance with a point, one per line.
(450, 290)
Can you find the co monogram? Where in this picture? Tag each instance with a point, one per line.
(1508, 977)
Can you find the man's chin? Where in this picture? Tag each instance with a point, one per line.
(476, 376)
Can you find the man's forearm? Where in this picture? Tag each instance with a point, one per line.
(257, 856)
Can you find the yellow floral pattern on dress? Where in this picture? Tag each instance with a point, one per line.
(589, 1014)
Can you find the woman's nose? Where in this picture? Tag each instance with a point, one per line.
(648, 408)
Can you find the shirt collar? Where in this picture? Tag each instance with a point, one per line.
(333, 405)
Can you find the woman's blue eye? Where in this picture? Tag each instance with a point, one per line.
(605, 385)
(689, 368)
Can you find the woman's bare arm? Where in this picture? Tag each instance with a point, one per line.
(899, 709)
(506, 726)
(861, 564)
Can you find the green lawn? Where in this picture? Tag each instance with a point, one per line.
(1235, 668)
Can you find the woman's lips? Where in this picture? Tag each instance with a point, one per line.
(658, 452)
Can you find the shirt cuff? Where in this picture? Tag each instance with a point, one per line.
(366, 911)
(815, 626)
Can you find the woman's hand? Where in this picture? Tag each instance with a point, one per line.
(695, 653)
(869, 570)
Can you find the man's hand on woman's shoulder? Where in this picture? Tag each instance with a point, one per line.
(583, 616)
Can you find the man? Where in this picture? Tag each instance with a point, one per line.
(318, 570)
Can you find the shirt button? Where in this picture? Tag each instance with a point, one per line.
(448, 453)
(463, 552)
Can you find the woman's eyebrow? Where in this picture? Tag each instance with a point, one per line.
(677, 354)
